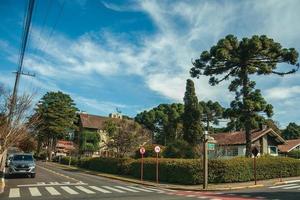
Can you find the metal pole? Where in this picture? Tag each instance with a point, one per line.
(142, 167)
(205, 162)
(255, 180)
(157, 168)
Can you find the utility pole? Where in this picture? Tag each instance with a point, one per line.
(205, 161)
(20, 72)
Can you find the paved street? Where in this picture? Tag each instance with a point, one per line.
(56, 183)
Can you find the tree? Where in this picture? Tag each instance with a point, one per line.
(89, 142)
(125, 136)
(292, 131)
(179, 149)
(57, 114)
(164, 121)
(239, 60)
(212, 112)
(192, 127)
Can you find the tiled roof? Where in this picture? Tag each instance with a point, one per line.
(290, 145)
(239, 137)
(94, 121)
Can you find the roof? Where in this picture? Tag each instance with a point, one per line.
(65, 144)
(93, 121)
(239, 137)
(290, 145)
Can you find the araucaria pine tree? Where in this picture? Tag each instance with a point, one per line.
(192, 127)
(240, 60)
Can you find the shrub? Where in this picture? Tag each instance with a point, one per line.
(179, 149)
(190, 171)
(294, 154)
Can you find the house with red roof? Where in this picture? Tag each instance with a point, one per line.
(231, 144)
(289, 146)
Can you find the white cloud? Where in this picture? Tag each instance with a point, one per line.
(280, 93)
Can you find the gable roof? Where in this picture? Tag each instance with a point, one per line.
(289, 146)
(94, 121)
(239, 137)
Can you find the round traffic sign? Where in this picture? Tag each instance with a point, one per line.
(157, 149)
(142, 150)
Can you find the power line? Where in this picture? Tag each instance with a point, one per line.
(55, 24)
(22, 52)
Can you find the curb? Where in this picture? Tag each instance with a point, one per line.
(286, 182)
(2, 185)
(154, 184)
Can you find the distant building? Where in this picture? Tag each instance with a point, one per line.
(234, 143)
(95, 123)
(64, 148)
(289, 146)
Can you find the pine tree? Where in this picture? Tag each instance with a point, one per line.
(239, 60)
(57, 114)
(192, 127)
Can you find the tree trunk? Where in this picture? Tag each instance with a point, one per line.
(246, 112)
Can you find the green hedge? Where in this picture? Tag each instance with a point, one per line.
(190, 171)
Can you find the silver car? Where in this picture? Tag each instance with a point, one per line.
(22, 163)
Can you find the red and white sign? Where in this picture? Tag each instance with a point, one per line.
(142, 150)
(157, 149)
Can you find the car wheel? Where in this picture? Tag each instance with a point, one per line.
(32, 175)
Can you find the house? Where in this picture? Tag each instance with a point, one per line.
(232, 144)
(289, 146)
(95, 124)
(64, 148)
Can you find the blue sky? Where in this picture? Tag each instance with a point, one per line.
(135, 55)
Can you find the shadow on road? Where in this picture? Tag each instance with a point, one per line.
(288, 195)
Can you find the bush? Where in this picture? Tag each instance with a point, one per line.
(179, 149)
(294, 154)
(65, 160)
(190, 171)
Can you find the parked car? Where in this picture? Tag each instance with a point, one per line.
(8, 159)
(22, 163)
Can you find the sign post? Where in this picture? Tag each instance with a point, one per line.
(254, 152)
(157, 150)
(142, 151)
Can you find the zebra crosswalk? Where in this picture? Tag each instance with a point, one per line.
(291, 186)
(56, 190)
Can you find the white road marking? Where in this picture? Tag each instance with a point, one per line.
(280, 186)
(85, 190)
(99, 189)
(40, 183)
(34, 191)
(69, 190)
(14, 192)
(291, 187)
(52, 184)
(114, 189)
(127, 189)
(156, 190)
(52, 191)
(141, 189)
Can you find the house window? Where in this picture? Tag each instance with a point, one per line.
(232, 151)
(273, 150)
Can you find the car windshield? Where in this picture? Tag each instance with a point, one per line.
(23, 157)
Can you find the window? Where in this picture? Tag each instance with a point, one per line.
(232, 151)
(273, 150)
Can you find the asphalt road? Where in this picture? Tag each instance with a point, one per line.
(52, 182)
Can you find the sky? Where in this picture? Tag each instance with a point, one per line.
(135, 55)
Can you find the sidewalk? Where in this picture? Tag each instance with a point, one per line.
(211, 187)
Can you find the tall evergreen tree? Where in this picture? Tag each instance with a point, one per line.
(212, 112)
(57, 114)
(192, 127)
(240, 60)
(292, 131)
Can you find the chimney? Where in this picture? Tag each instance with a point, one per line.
(262, 126)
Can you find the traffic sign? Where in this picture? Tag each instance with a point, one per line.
(211, 146)
(157, 149)
(142, 150)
